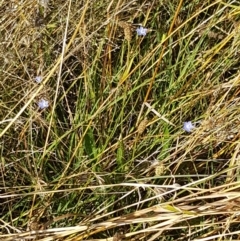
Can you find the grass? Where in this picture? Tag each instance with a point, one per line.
(109, 159)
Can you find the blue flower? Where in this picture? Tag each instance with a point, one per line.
(141, 31)
(188, 126)
(38, 79)
(42, 104)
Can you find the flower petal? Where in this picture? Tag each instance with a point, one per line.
(42, 104)
(188, 126)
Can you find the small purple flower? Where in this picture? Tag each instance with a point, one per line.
(42, 104)
(188, 126)
(141, 31)
(38, 79)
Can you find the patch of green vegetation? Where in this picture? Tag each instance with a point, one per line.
(107, 157)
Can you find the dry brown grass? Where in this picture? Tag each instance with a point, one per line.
(108, 160)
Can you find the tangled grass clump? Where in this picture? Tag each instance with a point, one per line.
(92, 115)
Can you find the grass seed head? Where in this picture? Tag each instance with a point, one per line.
(127, 30)
(142, 126)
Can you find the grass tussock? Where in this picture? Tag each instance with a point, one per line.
(108, 159)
